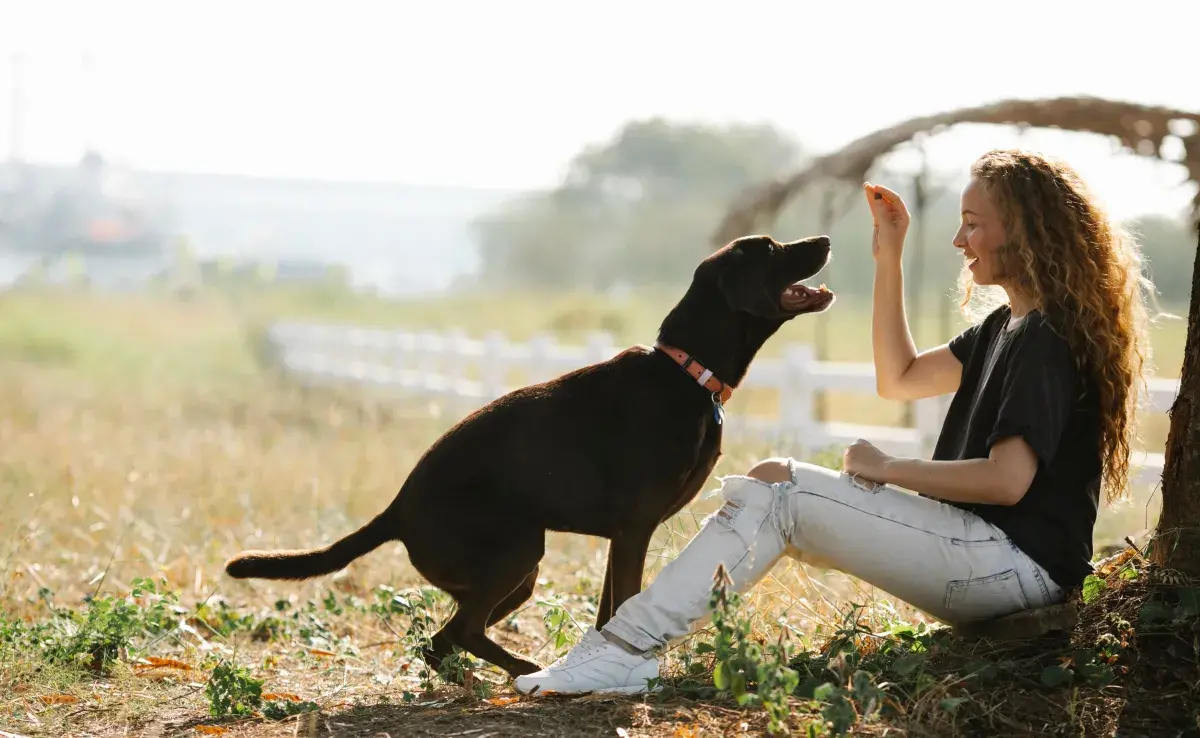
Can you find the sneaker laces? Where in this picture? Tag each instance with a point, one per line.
(586, 647)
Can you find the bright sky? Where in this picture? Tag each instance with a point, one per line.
(502, 94)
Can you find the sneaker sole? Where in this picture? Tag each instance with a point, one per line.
(628, 689)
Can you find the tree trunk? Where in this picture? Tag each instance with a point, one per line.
(1177, 539)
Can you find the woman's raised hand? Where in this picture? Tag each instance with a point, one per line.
(891, 221)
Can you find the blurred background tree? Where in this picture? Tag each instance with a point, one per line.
(639, 210)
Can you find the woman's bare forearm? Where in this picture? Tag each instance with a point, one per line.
(891, 340)
(970, 480)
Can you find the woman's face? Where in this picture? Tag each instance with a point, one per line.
(980, 235)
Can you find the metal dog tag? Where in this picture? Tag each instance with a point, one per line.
(718, 411)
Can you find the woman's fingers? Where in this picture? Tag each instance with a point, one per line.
(890, 219)
(869, 193)
(889, 198)
(876, 203)
(888, 194)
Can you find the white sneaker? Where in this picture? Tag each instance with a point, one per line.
(596, 664)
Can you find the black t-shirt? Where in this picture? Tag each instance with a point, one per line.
(1024, 382)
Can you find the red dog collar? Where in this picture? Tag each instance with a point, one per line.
(696, 370)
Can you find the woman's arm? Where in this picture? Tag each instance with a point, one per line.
(900, 372)
(1001, 479)
(892, 346)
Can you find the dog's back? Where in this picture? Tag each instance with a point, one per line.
(567, 454)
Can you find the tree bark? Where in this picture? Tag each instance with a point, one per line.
(1176, 543)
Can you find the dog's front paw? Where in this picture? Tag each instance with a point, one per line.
(521, 668)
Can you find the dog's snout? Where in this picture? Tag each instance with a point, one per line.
(821, 243)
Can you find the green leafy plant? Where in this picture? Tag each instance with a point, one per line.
(741, 662)
(231, 690)
(558, 621)
(280, 709)
(105, 630)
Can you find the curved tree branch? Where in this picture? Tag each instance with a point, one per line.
(1140, 128)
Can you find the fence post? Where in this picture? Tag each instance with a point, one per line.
(401, 353)
(431, 347)
(796, 399)
(456, 360)
(323, 343)
(600, 347)
(541, 346)
(426, 349)
(372, 346)
(493, 366)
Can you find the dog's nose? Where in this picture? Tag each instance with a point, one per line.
(821, 243)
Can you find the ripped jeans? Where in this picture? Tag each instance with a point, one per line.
(942, 560)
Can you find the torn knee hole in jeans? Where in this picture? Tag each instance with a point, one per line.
(728, 513)
(751, 505)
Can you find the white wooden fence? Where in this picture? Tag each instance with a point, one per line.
(467, 373)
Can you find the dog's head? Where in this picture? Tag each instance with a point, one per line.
(761, 277)
(741, 295)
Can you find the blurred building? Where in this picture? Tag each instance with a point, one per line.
(124, 226)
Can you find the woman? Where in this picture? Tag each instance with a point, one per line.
(1040, 423)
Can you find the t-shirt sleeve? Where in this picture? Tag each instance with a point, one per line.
(962, 344)
(1037, 392)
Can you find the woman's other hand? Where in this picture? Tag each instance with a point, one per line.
(863, 459)
(891, 222)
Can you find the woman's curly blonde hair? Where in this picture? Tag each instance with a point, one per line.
(1084, 273)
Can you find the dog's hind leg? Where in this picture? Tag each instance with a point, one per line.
(440, 645)
(455, 633)
(493, 590)
(466, 629)
(514, 599)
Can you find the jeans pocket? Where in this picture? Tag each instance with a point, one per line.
(982, 598)
(1048, 591)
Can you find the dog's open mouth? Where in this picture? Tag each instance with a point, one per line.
(800, 298)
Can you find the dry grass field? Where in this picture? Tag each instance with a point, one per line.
(140, 446)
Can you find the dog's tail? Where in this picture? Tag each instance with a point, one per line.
(305, 564)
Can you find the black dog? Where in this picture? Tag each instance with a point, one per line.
(610, 450)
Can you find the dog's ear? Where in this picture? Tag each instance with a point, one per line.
(740, 282)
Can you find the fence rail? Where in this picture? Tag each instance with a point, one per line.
(471, 372)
